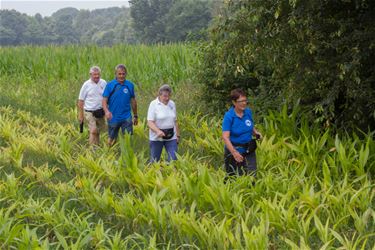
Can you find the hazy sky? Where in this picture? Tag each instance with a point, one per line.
(48, 7)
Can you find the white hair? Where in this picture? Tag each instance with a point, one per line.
(165, 88)
(94, 69)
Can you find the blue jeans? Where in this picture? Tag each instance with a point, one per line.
(126, 125)
(157, 146)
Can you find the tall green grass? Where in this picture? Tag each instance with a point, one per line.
(146, 64)
(47, 80)
(314, 189)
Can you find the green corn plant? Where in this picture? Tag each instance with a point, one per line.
(116, 242)
(356, 242)
(294, 246)
(10, 226)
(361, 222)
(323, 230)
(28, 239)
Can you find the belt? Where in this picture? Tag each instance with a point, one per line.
(242, 145)
(90, 111)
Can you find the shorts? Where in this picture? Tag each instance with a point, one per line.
(95, 123)
(114, 127)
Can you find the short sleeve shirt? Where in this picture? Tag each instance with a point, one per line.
(91, 93)
(119, 102)
(164, 116)
(240, 128)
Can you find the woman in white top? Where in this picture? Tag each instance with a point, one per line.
(162, 121)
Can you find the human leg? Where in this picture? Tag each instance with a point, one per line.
(171, 147)
(127, 126)
(101, 126)
(93, 129)
(155, 150)
(251, 164)
(113, 130)
(229, 161)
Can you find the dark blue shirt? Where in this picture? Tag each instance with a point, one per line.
(241, 129)
(119, 102)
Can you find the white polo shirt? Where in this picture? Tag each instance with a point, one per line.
(92, 94)
(164, 117)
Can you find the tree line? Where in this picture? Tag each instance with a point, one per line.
(146, 21)
(315, 54)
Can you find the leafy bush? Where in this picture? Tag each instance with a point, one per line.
(282, 51)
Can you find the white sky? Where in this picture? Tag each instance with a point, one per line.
(48, 7)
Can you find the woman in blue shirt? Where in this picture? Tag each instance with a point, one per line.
(238, 131)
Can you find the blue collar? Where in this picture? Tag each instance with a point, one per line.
(246, 112)
(117, 82)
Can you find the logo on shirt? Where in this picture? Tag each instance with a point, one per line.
(126, 90)
(248, 123)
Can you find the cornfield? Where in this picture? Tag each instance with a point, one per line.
(313, 190)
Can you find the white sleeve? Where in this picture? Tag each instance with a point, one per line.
(151, 112)
(82, 93)
(103, 83)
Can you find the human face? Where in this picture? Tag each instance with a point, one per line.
(241, 103)
(164, 97)
(95, 76)
(120, 75)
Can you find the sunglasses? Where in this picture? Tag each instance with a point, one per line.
(243, 101)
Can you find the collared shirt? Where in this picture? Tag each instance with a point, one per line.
(164, 116)
(91, 93)
(119, 102)
(240, 128)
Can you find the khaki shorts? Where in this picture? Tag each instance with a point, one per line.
(95, 123)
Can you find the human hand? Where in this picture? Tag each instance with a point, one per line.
(108, 115)
(258, 135)
(237, 156)
(160, 133)
(80, 118)
(135, 121)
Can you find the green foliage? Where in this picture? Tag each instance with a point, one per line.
(170, 20)
(283, 51)
(146, 21)
(67, 26)
(313, 190)
(63, 70)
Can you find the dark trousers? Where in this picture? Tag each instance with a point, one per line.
(247, 166)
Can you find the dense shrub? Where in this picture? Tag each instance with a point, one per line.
(318, 52)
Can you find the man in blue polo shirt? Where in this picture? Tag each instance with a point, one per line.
(118, 103)
(238, 130)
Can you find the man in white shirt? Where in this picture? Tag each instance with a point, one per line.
(90, 104)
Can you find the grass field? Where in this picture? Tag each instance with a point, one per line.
(314, 189)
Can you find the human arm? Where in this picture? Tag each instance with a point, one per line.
(151, 124)
(226, 138)
(80, 104)
(133, 103)
(176, 123)
(177, 131)
(81, 101)
(108, 113)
